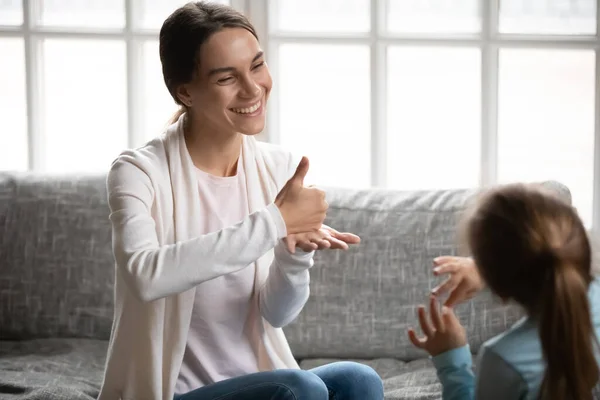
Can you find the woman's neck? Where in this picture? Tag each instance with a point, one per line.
(212, 152)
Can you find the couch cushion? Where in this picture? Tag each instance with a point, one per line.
(71, 369)
(363, 300)
(55, 257)
(51, 369)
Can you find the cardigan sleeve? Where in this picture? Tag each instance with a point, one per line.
(153, 271)
(287, 287)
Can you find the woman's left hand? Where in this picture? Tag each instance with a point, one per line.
(324, 238)
(443, 333)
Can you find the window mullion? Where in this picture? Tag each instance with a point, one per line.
(489, 93)
(33, 84)
(378, 57)
(259, 12)
(135, 78)
(596, 175)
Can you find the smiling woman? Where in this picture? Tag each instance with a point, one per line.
(206, 221)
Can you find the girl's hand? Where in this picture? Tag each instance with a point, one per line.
(324, 238)
(463, 282)
(442, 334)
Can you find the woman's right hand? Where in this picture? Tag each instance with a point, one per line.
(302, 208)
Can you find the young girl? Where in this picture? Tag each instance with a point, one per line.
(532, 248)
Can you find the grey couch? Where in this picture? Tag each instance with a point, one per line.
(56, 278)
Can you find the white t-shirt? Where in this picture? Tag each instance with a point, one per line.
(220, 343)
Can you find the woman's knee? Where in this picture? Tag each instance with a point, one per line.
(303, 384)
(363, 382)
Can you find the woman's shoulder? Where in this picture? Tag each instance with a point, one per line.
(139, 163)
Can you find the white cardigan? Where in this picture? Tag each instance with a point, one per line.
(161, 257)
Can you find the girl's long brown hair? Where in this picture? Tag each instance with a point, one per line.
(531, 247)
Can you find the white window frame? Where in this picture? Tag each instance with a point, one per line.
(34, 35)
(489, 41)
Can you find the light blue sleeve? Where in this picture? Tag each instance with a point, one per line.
(496, 379)
(455, 372)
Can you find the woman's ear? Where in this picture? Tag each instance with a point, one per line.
(184, 95)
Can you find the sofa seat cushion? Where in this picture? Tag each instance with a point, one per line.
(62, 369)
(72, 369)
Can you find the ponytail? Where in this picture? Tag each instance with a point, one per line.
(182, 110)
(567, 336)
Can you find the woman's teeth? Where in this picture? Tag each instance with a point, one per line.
(248, 110)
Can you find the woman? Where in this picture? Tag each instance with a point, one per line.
(205, 225)
(532, 248)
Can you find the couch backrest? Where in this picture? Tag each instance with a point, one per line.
(57, 269)
(56, 263)
(362, 301)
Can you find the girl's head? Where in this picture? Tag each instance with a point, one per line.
(214, 67)
(531, 247)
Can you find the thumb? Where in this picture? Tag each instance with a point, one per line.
(301, 170)
(448, 316)
(458, 295)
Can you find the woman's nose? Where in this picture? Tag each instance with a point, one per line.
(251, 88)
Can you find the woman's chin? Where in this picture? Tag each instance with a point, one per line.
(251, 129)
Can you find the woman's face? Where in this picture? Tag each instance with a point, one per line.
(230, 90)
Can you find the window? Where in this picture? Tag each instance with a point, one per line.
(13, 114)
(80, 74)
(433, 107)
(317, 121)
(546, 119)
(460, 93)
(404, 94)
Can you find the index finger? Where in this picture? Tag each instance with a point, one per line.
(416, 341)
(436, 318)
(446, 268)
(426, 327)
(347, 237)
(443, 259)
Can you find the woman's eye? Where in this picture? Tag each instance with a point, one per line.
(229, 79)
(259, 65)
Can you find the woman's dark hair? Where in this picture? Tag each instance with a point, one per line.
(531, 247)
(182, 34)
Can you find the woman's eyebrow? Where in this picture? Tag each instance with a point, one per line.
(220, 70)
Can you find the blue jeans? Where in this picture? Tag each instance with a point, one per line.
(336, 381)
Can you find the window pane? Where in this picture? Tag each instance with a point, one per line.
(546, 120)
(320, 15)
(433, 16)
(11, 12)
(13, 111)
(548, 16)
(324, 111)
(433, 127)
(83, 13)
(85, 118)
(154, 12)
(158, 103)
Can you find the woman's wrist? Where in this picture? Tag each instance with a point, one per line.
(278, 220)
